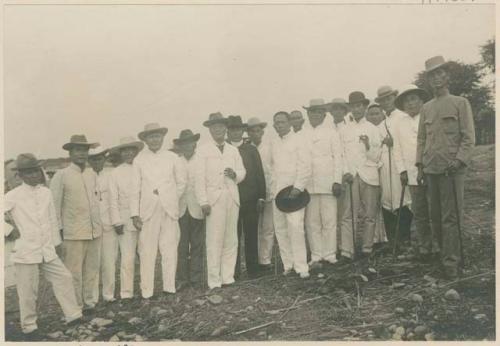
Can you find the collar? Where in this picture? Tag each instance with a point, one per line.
(149, 151)
(236, 144)
(288, 135)
(29, 187)
(217, 144)
(76, 167)
(362, 121)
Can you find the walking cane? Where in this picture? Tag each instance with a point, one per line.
(396, 230)
(455, 197)
(352, 220)
(275, 256)
(204, 262)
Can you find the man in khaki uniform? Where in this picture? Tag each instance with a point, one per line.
(444, 146)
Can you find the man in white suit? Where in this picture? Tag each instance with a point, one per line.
(220, 169)
(159, 182)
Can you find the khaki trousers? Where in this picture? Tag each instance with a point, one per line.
(83, 260)
(321, 227)
(266, 233)
(427, 241)
(27, 276)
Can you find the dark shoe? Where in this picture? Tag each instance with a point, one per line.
(181, 285)
(87, 310)
(32, 336)
(265, 267)
(75, 322)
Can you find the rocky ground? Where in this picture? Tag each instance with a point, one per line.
(377, 299)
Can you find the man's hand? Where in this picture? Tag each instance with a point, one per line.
(347, 178)
(206, 209)
(228, 172)
(260, 205)
(136, 220)
(13, 235)
(404, 178)
(294, 193)
(119, 229)
(454, 166)
(365, 140)
(420, 176)
(388, 141)
(336, 189)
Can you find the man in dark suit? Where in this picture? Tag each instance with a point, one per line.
(252, 195)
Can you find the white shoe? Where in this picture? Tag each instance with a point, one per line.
(304, 275)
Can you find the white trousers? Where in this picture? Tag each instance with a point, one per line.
(83, 260)
(55, 272)
(321, 227)
(158, 232)
(127, 244)
(266, 233)
(222, 241)
(289, 228)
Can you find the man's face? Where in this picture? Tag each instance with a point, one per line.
(375, 115)
(387, 103)
(154, 140)
(296, 120)
(218, 132)
(412, 103)
(187, 149)
(438, 78)
(97, 162)
(255, 134)
(235, 134)
(281, 124)
(79, 154)
(338, 113)
(316, 116)
(358, 110)
(128, 154)
(32, 176)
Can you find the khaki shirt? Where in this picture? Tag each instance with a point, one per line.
(445, 133)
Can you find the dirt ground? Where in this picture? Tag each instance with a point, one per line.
(377, 299)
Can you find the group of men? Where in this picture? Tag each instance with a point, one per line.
(197, 205)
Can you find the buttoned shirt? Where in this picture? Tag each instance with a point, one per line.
(359, 160)
(120, 190)
(264, 149)
(290, 162)
(77, 206)
(103, 196)
(160, 177)
(326, 158)
(405, 146)
(210, 180)
(446, 133)
(188, 201)
(33, 212)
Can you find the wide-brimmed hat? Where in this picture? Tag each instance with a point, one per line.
(339, 102)
(408, 89)
(434, 63)
(289, 205)
(26, 161)
(215, 118)
(151, 128)
(128, 142)
(252, 122)
(358, 96)
(78, 140)
(186, 136)
(99, 150)
(373, 104)
(316, 104)
(235, 122)
(385, 91)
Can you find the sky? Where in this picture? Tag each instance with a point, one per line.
(106, 71)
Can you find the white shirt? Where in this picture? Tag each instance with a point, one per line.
(120, 190)
(102, 194)
(290, 162)
(188, 200)
(34, 214)
(359, 160)
(388, 126)
(162, 172)
(264, 149)
(405, 146)
(326, 157)
(210, 180)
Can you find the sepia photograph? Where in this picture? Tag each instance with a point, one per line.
(259, 171)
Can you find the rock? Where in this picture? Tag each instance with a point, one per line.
(56, 335)
(400, 330)
(101, 322)
(121, 334)
(480, 317)
(397, 285)
(410, 336)
(245, 319)
(250, 308)
(429, 337)
(114, 338)
(110, 314)
(397, 336)
(392, 328)
(371, 270)
(154, 310)
(129, 337)
(321, 276)
(141, 338)
(89, 338)
(135, 321)
(219, 331)
(101, 329)
(123, 313)
(258, 299)
(215, 299)
(420, 331)
(199, 302)
(262, 333)
(429, 278)
(162, 312)
(417, 298)
(400, 310)
(401, 257)
(324, 290)
(69, 331)
(452, 295)
(235, 297)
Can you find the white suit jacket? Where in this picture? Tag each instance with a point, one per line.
(188, 201)
(210, 180)
(162, 171)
